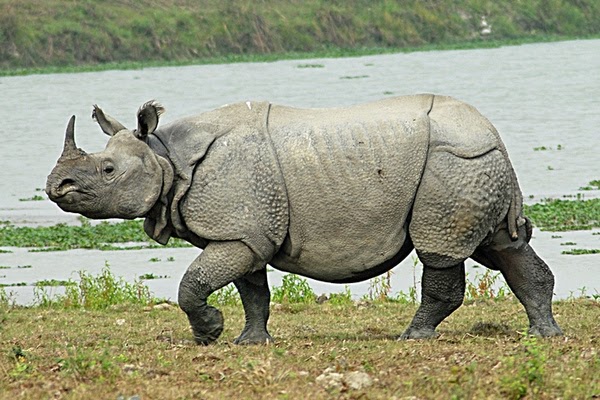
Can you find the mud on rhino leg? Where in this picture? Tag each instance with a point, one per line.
(443, 291)
(255, 295)
(219, 264)
(527, 275)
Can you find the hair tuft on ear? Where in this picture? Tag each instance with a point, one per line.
(148, 115)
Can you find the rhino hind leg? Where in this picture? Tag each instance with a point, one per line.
(254, 292)
(219, 264)
(442, 292)
(527, 275)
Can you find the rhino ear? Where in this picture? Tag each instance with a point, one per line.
(147, 117)
(108, 124)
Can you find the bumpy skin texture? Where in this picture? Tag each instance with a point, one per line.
(339, 195)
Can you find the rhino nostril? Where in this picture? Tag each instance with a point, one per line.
(67, 182)
(65, 186)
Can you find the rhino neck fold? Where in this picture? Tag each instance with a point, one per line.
(157, 223)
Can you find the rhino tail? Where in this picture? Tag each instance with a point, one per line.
(514, 217)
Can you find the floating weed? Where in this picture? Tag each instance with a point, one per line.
(34, 198)
(53, 282)
(5, 267)
(170, 259)
(388, 93)
(310, 66)
(102, 236)
(578, 252)
(17, 284)
(544, 148)
(564, 215)
(592, 185)
(150, 276)
(5, 251)
(354, 76)
(154, 259)
(568, 244)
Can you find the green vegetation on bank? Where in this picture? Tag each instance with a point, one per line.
(564, 215)
(127, 34)
(102, 236)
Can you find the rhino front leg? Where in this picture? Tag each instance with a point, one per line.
(255, 294)
(219, 264)
(443, 291)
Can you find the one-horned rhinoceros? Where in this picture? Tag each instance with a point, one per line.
(339, 195)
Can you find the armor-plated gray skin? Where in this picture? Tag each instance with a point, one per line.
(339, 195)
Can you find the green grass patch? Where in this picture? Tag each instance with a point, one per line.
(102, 236)
(564, 215)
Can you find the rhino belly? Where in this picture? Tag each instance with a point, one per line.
(350, 186)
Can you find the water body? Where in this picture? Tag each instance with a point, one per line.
(538, 96)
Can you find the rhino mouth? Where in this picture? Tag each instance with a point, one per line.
(67, 192)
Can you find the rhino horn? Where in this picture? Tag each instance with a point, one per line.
(70, 149)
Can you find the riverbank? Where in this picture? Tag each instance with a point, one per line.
(55, 36)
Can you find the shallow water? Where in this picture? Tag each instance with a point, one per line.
(536, 95)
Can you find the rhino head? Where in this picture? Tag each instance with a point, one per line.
(125, 180)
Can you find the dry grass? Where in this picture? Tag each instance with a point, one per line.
(133, 351)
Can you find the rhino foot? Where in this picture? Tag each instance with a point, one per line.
(248, 337)
(546, 330)
(208, 327)
(422, 333)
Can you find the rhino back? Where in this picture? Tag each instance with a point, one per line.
(351, 175)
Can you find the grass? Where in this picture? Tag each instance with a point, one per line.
(56, 36)
(104, 338)
(130, 350)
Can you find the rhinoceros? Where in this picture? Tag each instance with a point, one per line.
(335, 194)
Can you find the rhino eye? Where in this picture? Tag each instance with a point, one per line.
(109, 169)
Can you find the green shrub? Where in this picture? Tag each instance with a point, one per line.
(293, 289)
(96, 292)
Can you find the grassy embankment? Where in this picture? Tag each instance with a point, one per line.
(55, 35)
